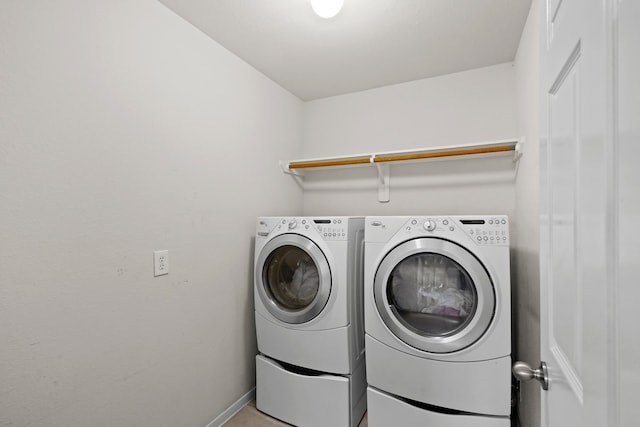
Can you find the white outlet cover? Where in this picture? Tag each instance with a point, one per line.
(160, 263)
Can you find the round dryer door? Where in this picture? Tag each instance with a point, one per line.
(434, 295)
(293, 278)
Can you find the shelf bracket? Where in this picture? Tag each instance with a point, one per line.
(383, 182)
(295, 174)
(518, 149)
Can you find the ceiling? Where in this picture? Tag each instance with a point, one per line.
(370, 43)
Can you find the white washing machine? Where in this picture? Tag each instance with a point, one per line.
(438, 321)
(310, 370)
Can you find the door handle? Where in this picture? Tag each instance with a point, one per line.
(523, 372)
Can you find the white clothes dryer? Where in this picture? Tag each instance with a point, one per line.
(310, 370)
(438, 320)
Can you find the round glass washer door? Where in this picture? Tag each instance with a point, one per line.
(293, 278)
(434, 295)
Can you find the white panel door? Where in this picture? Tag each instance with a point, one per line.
(561, 292)
(590, 212)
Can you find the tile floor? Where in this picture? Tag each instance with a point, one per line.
(249, 416)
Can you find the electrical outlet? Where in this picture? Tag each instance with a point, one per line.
(160, 263)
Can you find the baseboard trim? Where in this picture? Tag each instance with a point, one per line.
(233, 409)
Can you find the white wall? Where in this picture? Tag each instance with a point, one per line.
(119, 128)
(526, 282)
(124, 130)
(468, 107)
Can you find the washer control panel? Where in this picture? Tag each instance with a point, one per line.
(330, 228)
(327, 228)
(488, 231)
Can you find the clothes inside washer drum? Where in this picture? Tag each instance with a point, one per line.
(291, 277)
(305, 281)
(301, 289)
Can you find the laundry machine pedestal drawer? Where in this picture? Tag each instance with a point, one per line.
(305, 400)
(385, 410)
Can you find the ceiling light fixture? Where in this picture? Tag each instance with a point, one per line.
(327, 8)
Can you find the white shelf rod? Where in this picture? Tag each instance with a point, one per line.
(406, 155)
(382, 160)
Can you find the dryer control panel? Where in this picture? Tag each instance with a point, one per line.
(483, 230)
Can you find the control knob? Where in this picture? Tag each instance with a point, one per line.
(429, 225)
(293, 224)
